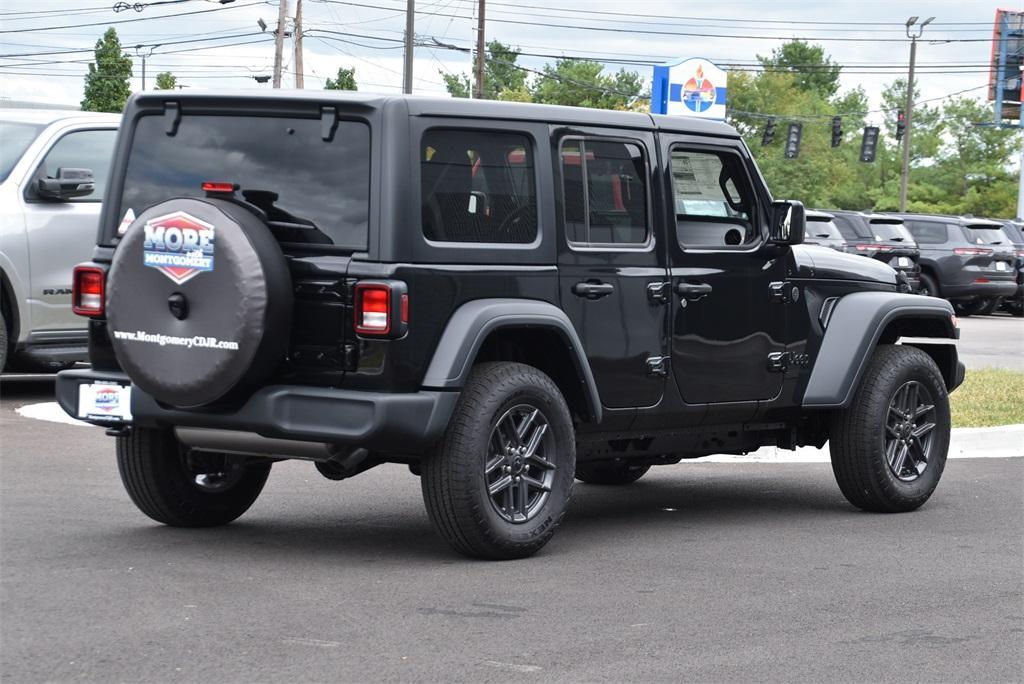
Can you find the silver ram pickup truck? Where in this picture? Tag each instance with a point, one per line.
(53, 171)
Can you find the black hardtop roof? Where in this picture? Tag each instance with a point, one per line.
(444, 106)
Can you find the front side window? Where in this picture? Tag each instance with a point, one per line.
(91, 150)
(604, 193)
(713, 204)
(477, 186)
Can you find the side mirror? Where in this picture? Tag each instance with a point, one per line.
(68, 184)
(788, 223)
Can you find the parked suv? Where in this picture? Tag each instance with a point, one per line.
(966, 260)
(53, 172)
(881, 237)
(503, 296)
(822, 230)
(1015, 232)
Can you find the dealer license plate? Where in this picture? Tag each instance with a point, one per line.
(1000, 265)
(105, 401)
(904, 262)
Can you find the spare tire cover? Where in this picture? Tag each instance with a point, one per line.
(198, 301)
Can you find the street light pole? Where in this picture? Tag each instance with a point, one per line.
(481, 47)
(144, 55)
(299, 81)
(905, 170)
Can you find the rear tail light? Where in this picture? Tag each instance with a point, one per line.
(1020, 252)
(88, 291)
(870, 247)
(981, 281)
(381, 308)
(972, 251)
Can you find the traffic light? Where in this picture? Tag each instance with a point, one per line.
(901, 124)
(769, 132)
(869, 144)
(796, 130)
(837, 131)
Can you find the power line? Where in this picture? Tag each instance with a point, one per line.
(223, 8)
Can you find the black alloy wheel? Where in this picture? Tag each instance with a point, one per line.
(909, 431)
(518, 474)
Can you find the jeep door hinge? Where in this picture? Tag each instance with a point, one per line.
(778, 362)
(659, 292)
(658, 366)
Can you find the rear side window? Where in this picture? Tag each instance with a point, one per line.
(604, 193)
(713, 204)
(91, 150)
(927, 232)
(851, 227)
(477, 186)
(314, 191)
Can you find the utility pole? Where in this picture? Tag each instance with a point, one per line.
(282, 19)
(144, 55)
(905, 170)
(480, 49)
(410, 28)
(298, 44)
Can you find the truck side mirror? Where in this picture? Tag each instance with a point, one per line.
(68, 184)
(788, 223)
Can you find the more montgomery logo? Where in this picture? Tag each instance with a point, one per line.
(178, 245)
(197, 341)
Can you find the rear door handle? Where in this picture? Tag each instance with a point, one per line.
(693, 291)
(592, 290)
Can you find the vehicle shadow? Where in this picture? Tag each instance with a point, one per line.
(705, 503)
(26, 388)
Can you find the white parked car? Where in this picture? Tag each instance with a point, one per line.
(53, 173)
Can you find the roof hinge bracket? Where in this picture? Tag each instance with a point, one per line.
(172, 117)
(328, 123)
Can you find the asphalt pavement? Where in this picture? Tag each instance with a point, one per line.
(992, 342)
(699, 572)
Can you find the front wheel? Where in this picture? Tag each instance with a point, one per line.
(498, 485)
(889, 446)
(183, 488)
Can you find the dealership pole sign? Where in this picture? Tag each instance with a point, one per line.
(693, 87)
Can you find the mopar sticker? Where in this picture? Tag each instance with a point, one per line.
(178, 245)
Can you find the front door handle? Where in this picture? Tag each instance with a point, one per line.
(693, 291)
(592, 290)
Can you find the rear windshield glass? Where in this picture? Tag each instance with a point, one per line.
(316, 191)
(986, 236)
(890, 231)
(817, 228)
(14, 140)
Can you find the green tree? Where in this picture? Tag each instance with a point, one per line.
(165, 80)
(580, 83)
(812, 69)
(346, 80)
(107, 82)
(503, 78)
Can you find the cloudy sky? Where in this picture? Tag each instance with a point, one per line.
(46, 44)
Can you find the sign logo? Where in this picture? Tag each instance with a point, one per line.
(107, 399)
(693, 87)
(178, 245)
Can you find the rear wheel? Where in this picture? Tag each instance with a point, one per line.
(889, 446)
(184, 488)
(985, 306)
(610, 472)
(499, 483)
(928, 286)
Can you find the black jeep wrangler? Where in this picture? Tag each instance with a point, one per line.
(502, 296)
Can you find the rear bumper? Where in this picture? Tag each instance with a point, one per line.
(400, 423)
(995, 288)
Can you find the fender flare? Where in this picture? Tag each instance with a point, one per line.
(853, 331)
(472, 322)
